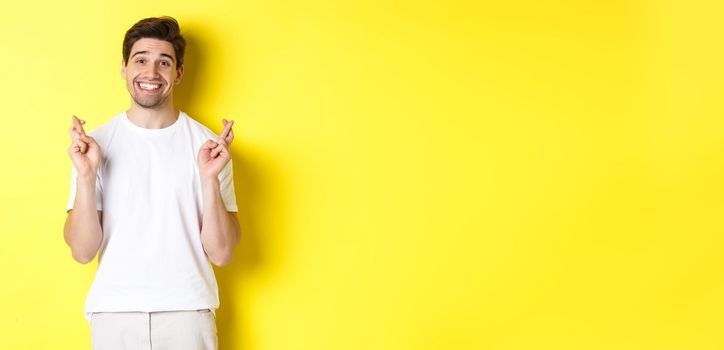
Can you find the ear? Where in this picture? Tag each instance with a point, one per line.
(179, 74)
(123, 69)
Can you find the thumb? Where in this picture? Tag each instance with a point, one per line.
(210, 144)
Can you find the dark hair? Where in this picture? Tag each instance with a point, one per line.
(163, 28)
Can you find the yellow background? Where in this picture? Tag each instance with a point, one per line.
(411, 175)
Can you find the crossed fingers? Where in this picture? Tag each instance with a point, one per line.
(76, 131)
(228, 133)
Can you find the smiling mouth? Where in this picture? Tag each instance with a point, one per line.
(148, 87)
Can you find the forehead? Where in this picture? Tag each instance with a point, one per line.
(154, 47)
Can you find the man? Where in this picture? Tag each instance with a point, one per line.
(152, 193)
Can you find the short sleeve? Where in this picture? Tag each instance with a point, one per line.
(226, 181)
(73, 189)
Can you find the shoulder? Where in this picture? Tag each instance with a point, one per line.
(198, 129)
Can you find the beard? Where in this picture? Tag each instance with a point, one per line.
(148, 101)
(145, 100)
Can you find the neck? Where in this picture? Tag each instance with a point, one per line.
(153, 118)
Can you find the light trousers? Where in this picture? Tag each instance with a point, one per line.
(162, 330)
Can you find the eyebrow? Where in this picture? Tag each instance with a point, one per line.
(145, 52)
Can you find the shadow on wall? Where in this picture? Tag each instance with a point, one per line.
(254, 199)
(193, 81)
(253, 195)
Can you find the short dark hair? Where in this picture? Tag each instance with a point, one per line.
(164, 28)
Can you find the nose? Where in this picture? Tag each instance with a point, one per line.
(154, 71)
(151, 72)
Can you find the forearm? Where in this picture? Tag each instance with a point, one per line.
(82, 231)
(220, 232)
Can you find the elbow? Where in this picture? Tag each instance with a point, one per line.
(220, 261)
(222, 255)
(83, 258)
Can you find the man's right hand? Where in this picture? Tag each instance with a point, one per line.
(84, 151)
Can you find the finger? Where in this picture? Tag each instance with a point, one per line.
(227, 128)
(89, 140)
(73, 133)
(207, 147)
(75, 120)
(225, 132)
(210, 144)
(219, 143)
(78, 125)
(230, 133)
(216, 151)
(74, 147)
(83, 146)
(79, 146)
(230, 137)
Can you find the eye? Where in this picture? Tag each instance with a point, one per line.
(140, 61)
(164, 63)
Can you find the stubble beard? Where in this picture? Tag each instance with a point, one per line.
(147, 101)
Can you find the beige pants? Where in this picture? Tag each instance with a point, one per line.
(163, 330)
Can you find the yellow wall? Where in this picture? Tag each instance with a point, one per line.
(411, 175)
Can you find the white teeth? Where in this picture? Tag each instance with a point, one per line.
(149, 86)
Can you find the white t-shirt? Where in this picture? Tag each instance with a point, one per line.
(148, 187)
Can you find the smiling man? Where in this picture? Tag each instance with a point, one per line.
(152, 194)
